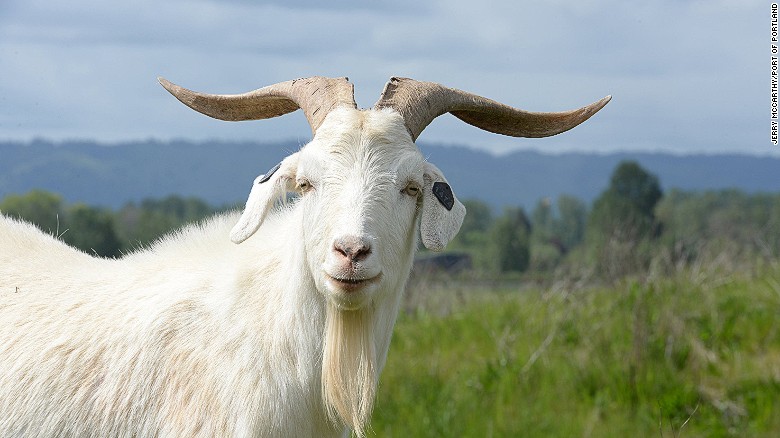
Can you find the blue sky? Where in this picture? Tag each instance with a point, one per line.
(686, 76)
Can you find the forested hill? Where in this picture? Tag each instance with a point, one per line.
(221, 172)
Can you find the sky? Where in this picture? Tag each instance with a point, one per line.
(686, 76)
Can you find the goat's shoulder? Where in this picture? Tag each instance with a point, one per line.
(207, 246)
(20, 240)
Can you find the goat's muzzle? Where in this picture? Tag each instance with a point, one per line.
(353, 264)
(352, 249)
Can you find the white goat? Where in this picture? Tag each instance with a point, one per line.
(283, 335)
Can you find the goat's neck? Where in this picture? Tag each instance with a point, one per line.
(281, 293)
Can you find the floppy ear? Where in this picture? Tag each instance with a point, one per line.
(442, 213)
(266, 190)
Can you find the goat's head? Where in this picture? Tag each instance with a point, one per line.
(363, 183)
(364, 188)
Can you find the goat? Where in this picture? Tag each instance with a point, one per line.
(282, 335)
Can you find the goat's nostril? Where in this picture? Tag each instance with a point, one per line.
(361, 252)
(352, 247)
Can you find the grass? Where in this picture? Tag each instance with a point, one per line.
(696, 355)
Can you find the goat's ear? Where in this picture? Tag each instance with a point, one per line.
(442, 213)
(266, 190)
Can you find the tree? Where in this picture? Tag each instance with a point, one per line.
(478, 217)
(475, 225)
(545, 248)
(626, 209)
(510, 240)
(543, 221)
(153, 218)
(572, 219)
(635, 185)
(39, 207)
(622, 221)
(92, 230)
(563, 228)
(706, 224)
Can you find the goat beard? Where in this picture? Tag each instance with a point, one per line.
(349, 374)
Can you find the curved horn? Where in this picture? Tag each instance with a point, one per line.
(421, 102)
(316, 96)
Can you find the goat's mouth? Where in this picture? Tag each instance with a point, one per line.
(348, 284)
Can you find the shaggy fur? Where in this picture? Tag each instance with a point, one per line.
(186, 339)
(199, 337)
(349, 372)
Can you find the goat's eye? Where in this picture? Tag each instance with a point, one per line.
(303, 185)
(411, 190)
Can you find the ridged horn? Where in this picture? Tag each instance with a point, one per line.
(421, 102)
(316, 96)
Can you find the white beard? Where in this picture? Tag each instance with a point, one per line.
(349, 369)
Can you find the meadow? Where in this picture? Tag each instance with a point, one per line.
(695, 354)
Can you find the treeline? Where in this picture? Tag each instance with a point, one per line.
(631, 227)
(101, 231)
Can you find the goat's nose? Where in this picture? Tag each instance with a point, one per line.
(353, 248)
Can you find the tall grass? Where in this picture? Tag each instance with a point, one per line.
(695, 355)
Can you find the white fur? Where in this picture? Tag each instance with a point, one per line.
(197, 336)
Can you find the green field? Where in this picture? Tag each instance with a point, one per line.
(696, 355)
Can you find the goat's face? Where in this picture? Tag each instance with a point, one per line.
(362, 186)
(362, 181)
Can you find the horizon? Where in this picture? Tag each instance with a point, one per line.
(422, 144)
(112, 174)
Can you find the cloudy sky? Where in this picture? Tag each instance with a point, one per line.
(686, 76)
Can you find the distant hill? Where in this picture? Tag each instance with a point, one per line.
(222, 172)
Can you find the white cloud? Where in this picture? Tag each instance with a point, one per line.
(685, 75)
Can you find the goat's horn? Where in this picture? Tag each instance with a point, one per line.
(316, 96)
(421, 102)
